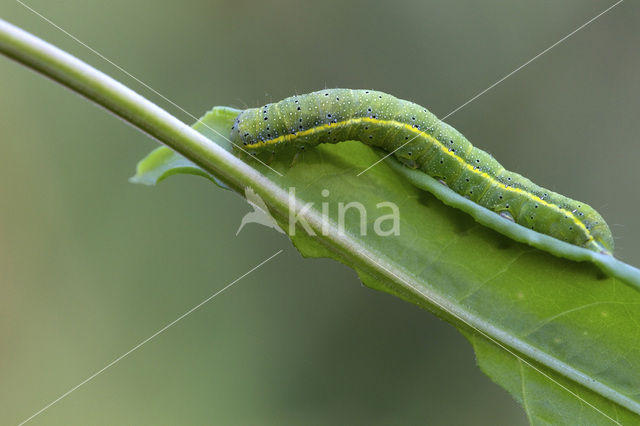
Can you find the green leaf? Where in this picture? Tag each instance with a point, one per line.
(546, 397)
(559, 335)
(163, 162)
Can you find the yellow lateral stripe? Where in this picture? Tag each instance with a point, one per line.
(443, 148)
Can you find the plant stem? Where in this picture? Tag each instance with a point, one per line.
(121, 101)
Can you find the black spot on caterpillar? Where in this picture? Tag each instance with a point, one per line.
(420, 141)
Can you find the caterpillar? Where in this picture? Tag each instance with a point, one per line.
(419, 140)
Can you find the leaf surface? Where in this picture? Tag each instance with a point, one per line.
(559, 335)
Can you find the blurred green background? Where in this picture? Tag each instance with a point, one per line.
(90, 265)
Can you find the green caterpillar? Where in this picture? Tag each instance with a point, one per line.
(420, 141)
